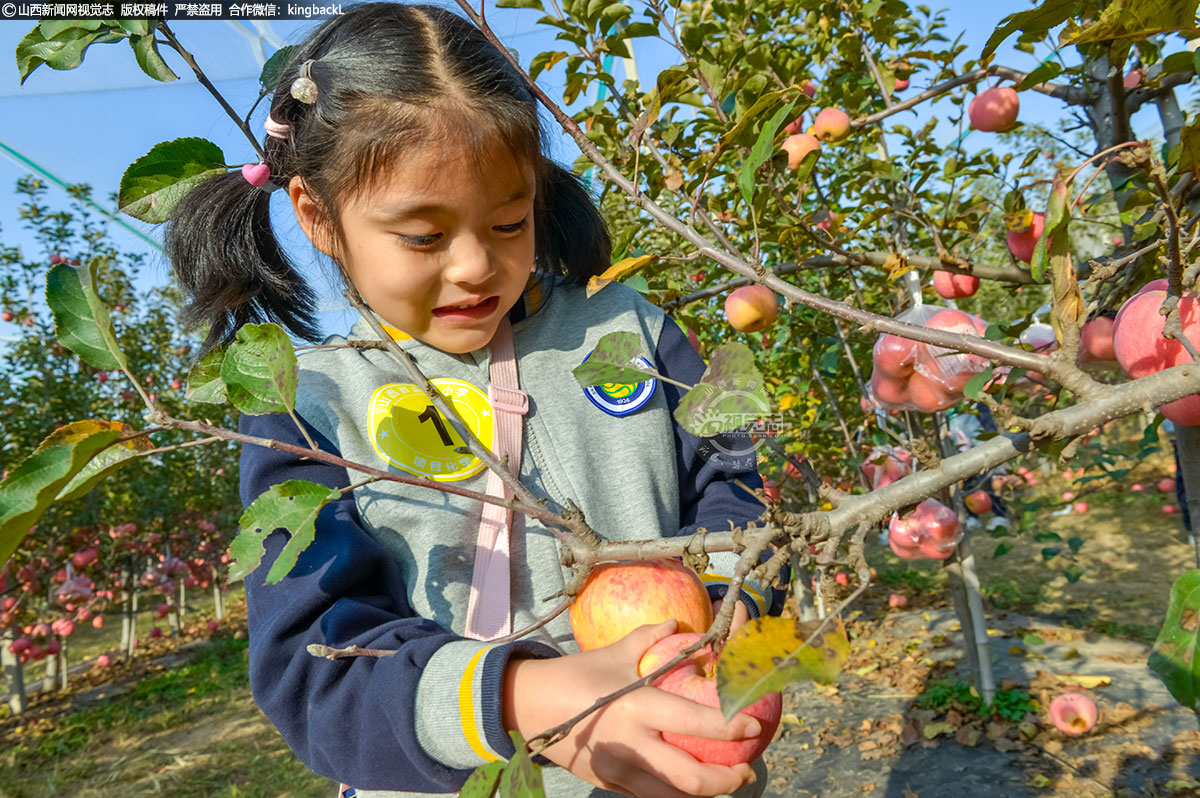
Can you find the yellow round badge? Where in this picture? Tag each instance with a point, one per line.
(410, 433)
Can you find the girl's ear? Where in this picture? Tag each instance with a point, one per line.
(309, 214)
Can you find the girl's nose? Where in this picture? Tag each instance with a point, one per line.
(470, 262)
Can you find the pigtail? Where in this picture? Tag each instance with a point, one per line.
(225, 256)
(572, 237)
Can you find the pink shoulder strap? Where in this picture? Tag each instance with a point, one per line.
(488, 614)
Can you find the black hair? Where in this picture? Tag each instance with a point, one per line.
(389, 77)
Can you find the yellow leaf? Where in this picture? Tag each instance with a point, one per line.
(787, 400)
(896, 265)
(1087, 682)
(1018, 221)
(618, 271)
(766, 654)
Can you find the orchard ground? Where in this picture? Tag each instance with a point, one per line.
(900, 722)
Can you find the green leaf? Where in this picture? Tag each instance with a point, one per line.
(269, 76)
(1072, 573)
(764, 147)
(1189, 141)
(1183, 61)
(105, 463)
(975, 384)
(81, 321)
(520, 4)
(1046, 71)
(1043, 18)
(62, 51)
(1033, 640)
(260, 370)
(483, 780)
(1075, 543)
(522, 777)
(1047, 537)
(543, 61)
(766, 654)
(1173, 658)
(609, 361)
(150, 59)
(1135, 20)
(53, 27)
(1049, 553)
(137, 27)
(204, 382)
(728, 395)
(35, 484)
(1002, 549)
(292, 506)
(154, 183)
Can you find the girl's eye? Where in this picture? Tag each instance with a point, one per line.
(421, 241)
(513, 228)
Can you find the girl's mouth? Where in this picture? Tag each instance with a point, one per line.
(480, 311)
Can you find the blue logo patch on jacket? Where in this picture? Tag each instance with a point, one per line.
(621, 399)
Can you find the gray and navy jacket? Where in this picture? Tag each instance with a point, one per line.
(390, 566)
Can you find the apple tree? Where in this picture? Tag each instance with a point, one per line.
(795, 145)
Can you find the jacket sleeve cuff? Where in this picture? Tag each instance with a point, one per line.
(757, 598)
(458, 702)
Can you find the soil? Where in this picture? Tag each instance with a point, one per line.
(882, 729)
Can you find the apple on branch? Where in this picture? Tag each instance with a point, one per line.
(619, 597)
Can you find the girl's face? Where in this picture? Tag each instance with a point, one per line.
(437, 235)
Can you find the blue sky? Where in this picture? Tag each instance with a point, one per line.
(88, 124)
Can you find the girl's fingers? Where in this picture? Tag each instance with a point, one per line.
(664, 771)
(682, 715)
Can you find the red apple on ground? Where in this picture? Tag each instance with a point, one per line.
(1136, 487)
(951, 285)
(842, 578)
(831, 125)
(897, 600)
(619, 597)
(1022, 244)
(1166, 485)
(695, 679)
(1073, 713)
(994, 110)
(751, 308)
(1169, 509)
(797, 146)
(103, 661)
(1080, 507)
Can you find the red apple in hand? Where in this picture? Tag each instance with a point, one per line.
(619, 597)
(695, 679)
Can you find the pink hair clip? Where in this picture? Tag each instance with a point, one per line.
(277, 129)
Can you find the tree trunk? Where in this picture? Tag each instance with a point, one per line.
(50, 675)
(218, 596)
(14, 674)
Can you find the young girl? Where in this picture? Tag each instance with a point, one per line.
(411, 153)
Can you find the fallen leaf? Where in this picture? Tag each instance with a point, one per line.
(1089, 682)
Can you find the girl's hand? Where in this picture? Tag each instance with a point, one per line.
(619, 747)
